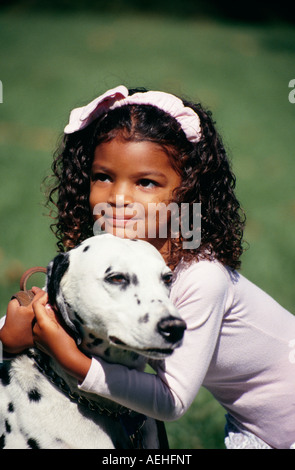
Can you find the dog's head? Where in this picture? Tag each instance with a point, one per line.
(114, 291)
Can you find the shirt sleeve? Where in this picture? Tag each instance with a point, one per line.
(200, 294)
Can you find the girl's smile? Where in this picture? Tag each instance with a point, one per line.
(127, 177)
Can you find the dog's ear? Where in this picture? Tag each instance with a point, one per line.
(55, 272)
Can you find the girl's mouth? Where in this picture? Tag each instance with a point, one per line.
(120, 221)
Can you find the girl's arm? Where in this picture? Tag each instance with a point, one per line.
(36, 324)
(167, 394)
(51, 337)
(16, 332)
(201, 301)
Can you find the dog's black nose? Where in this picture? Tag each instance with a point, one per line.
(172, 329)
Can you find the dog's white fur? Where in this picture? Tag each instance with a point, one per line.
(112, 293)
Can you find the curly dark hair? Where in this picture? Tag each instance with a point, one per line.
(204, 168)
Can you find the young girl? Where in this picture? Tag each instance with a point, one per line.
(134, 146)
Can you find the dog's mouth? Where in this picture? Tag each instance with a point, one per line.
(157, 353)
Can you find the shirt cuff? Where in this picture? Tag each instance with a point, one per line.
(2, 321)
(95, 377)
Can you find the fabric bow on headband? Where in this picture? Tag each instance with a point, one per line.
(119, 96)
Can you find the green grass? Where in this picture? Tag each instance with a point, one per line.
(51, 63)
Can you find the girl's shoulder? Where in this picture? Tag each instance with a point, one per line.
(205, 275)
(208, 268)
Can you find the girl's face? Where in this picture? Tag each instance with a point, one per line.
(128, 181)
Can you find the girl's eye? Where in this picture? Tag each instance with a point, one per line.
(103, 177)
(146, 183)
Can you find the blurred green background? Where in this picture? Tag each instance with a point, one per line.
(237, 62)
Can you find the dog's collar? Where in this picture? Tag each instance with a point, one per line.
(131, 421)
(42, 362)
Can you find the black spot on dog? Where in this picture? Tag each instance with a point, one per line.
(137, 299)
(86, 248)
(34, 395)
(2, 441)
(144, 319)
(134, 279)
(96, 341)
(4, 373)
(108, 270)
(60, 442)
(10, 407)
(107, 352)
(32, 443)
(79, 318)
(7, 426)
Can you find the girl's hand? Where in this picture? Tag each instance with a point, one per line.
(52, 338)
(16, 334)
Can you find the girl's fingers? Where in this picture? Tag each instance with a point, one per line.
(36, 289)
(42, 310)
(39, 303)
(12, 306)
(38, 294)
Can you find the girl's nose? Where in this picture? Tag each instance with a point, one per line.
(121, 195)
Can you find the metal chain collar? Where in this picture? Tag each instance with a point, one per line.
(131, 421)
(42, 363)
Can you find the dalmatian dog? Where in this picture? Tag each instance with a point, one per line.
(113, 296)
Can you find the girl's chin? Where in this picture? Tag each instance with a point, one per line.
(122, 230)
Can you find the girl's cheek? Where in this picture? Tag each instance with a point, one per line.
(95, 197)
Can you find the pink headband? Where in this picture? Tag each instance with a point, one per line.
(117, 97)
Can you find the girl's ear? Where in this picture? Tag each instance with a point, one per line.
(56, 269)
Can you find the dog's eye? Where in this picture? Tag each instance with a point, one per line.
(118, 279)
(167, 279)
